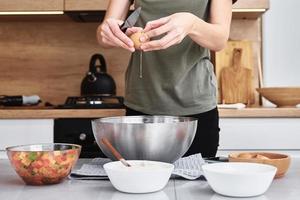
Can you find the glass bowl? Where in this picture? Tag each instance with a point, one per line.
(43, 164)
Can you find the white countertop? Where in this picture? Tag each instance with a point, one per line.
(12, 188)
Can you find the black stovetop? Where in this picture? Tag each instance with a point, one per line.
(93, 102)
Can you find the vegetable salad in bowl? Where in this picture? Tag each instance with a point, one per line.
(42, 164)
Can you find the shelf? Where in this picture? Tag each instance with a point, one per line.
(46, 113)
(261, 112)
(244, 13)
(31, 5)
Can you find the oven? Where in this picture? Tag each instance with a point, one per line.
(77, 131)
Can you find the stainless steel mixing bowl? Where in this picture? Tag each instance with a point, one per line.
(159, 138)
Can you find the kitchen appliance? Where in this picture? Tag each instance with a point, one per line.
(93, 102)
(159, 138)
(97, 81)
(77, 131)
(19, 100)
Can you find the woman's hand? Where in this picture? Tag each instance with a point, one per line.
(109, 34)
(174, 28)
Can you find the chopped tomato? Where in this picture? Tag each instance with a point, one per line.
(43, 167)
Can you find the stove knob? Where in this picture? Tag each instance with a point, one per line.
(82, 136)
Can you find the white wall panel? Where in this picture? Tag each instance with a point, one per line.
(17, 132)
(260, 133)
(281, 43)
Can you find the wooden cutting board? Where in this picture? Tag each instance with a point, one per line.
(224, 59)
(236, 81)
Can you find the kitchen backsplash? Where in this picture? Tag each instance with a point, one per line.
(51, 58)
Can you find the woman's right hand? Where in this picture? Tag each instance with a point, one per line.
(109, 34)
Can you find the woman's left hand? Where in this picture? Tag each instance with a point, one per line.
(174, 28)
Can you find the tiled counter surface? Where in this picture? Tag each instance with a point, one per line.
(12, 188)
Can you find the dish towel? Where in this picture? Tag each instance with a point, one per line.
(188, 167)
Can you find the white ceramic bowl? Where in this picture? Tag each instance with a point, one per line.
(142, 177)
(239, 179)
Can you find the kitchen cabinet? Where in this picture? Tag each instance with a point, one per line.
(12, 187)
(242, 9)
(18, 132)
(260, 134)
(83, 5)
(31, 5)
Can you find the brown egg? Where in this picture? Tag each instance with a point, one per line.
(136, 39)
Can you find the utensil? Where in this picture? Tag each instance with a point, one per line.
(236, 81)
(239, 179)
(280, 161)
(281, 96)
(224, 59)
(160, 138)
(131, 20)
(114, 152)
(142, 177)
(43, 164)
(98, 81)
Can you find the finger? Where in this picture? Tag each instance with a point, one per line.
(161, 43)
(115, 29)
(176, 40)
(106, 40)
(116, 40)
(157, 32)
(120, 22)
(156, 23)
(133, 30)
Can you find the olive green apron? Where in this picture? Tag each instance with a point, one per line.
(175, 81)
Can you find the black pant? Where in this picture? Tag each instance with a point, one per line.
(206, 140)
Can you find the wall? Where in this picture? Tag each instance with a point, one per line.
(281, 43)
(50, 58)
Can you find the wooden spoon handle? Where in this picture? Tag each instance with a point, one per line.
(114, 152)
(112, 149)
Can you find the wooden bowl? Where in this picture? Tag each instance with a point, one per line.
(281, 161)
(281, 96)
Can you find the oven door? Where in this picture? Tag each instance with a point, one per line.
(77, 131)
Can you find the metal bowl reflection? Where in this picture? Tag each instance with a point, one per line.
(158, 138)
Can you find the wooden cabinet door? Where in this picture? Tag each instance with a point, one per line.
(77, 5)
(31, 5)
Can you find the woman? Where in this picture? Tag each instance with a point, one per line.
(177, 75)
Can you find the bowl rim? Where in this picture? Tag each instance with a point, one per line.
(168, 166)
(235, 155)
(15, 148)
(113, 120)
(269, 168)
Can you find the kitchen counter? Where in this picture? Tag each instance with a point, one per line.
(12, 188)
(49, 113)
